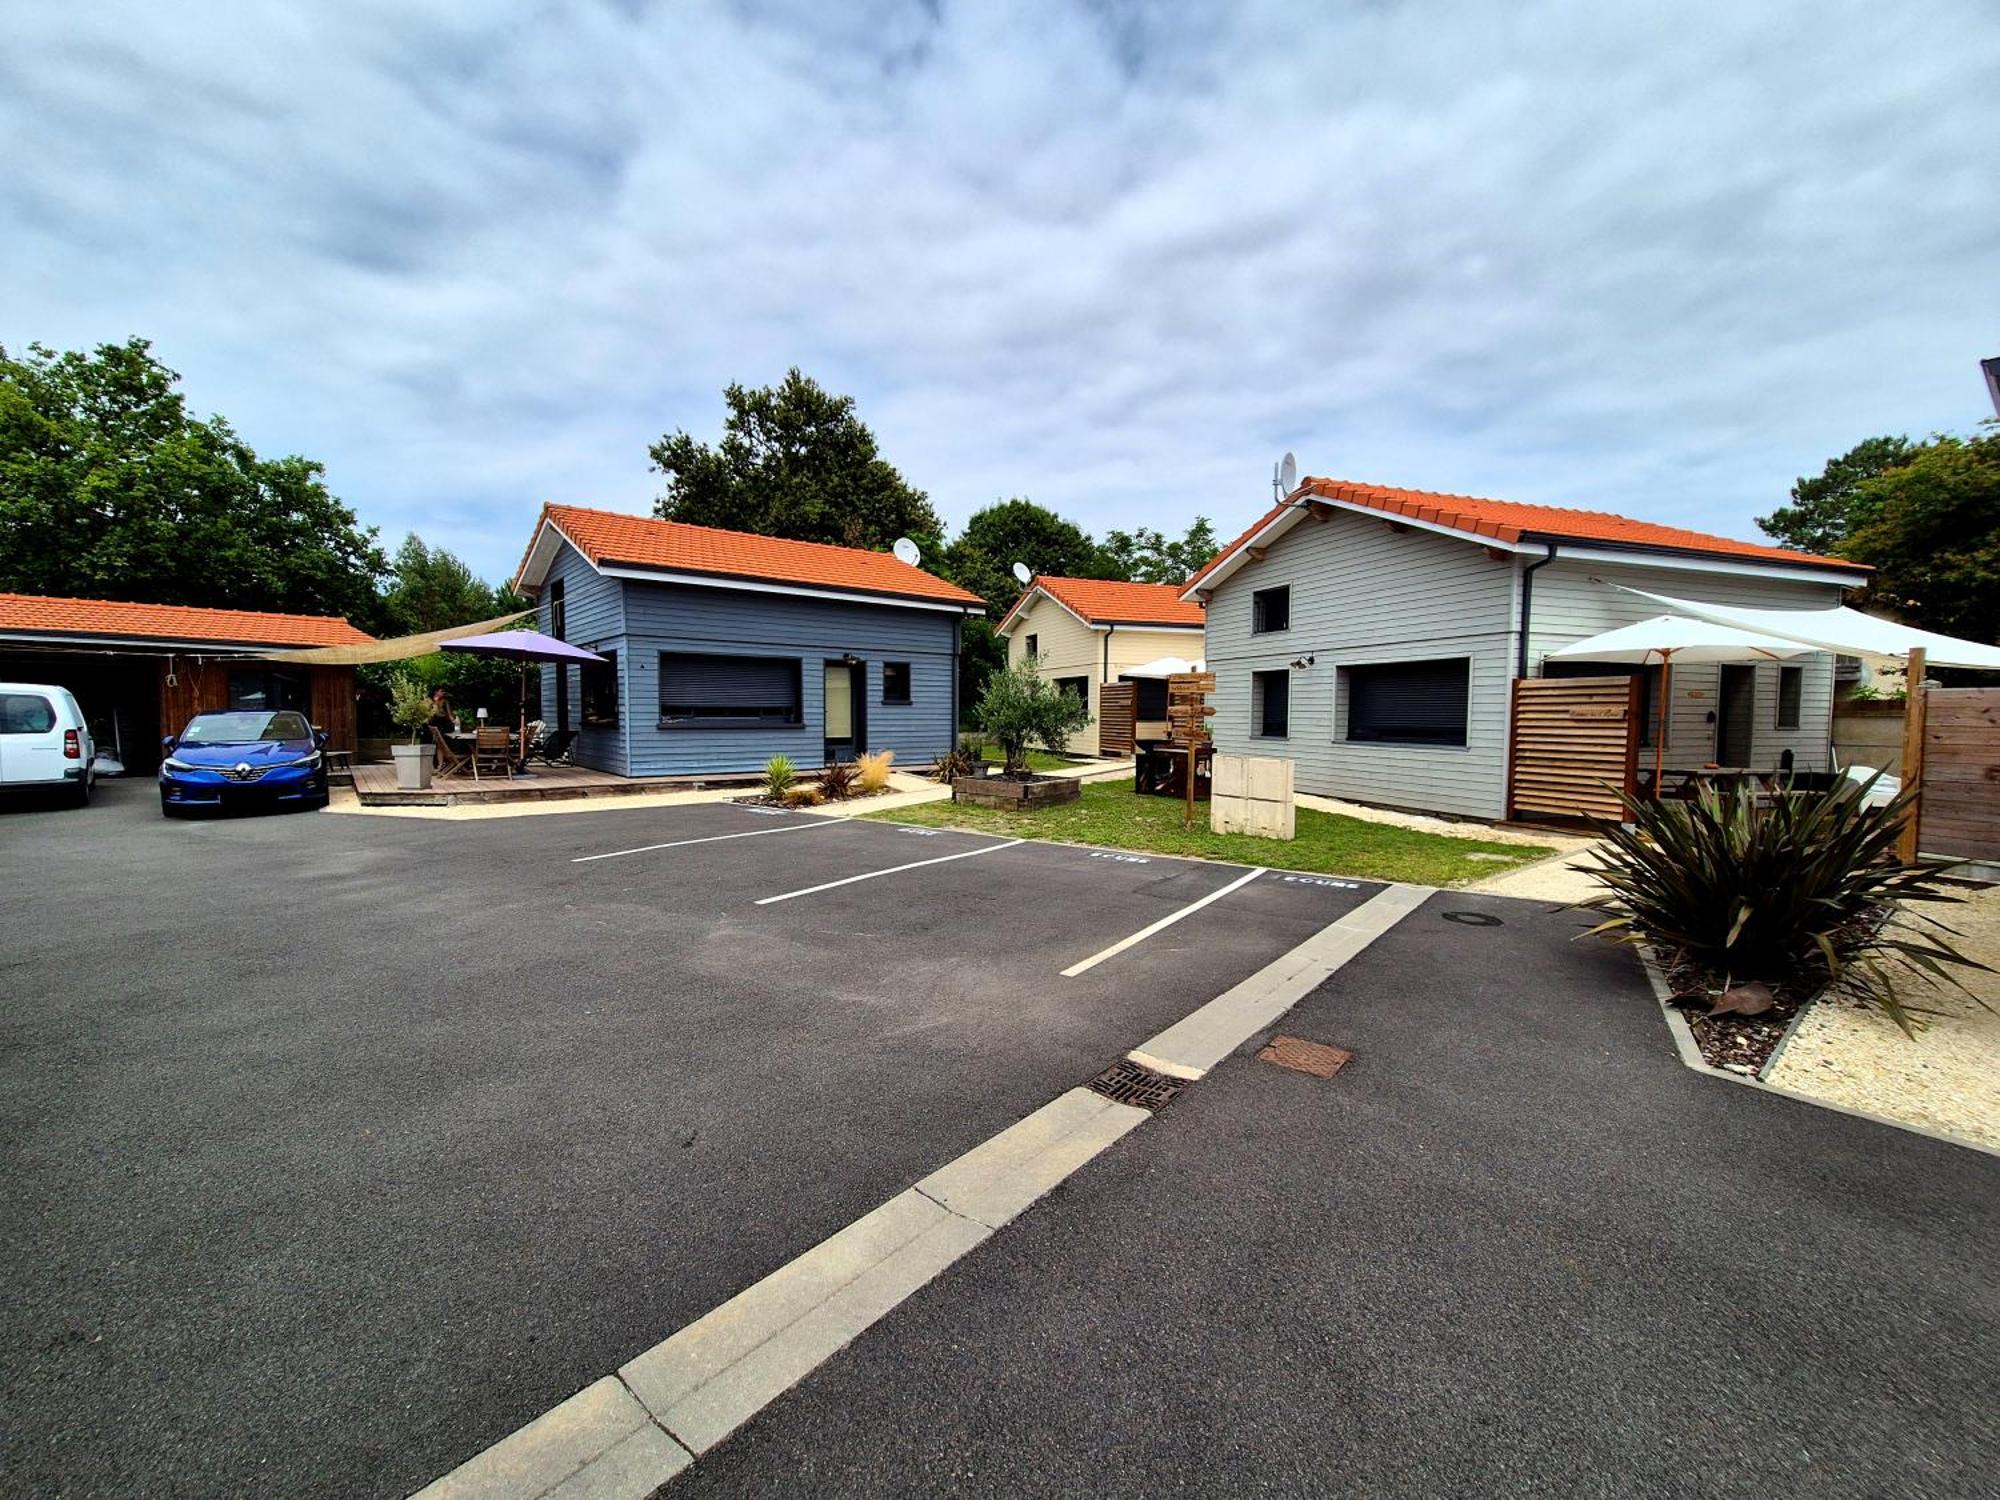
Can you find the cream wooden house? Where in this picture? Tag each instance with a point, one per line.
(1082, 633)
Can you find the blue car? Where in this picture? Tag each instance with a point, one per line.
(244, 758)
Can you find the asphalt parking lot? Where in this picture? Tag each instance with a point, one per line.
(339, 1147)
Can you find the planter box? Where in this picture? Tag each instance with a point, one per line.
(413, 766)
(1015, 796)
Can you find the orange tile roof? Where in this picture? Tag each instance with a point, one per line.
(1104, 601)
(673, 546)
(172, 622)
(1513, 521)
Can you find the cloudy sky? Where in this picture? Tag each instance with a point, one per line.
(1115, 257)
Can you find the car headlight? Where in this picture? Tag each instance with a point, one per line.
(310, 762)
(170, 764)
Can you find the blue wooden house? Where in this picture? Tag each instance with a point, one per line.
(723, 649)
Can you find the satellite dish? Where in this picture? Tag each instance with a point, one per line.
(1021, 573)
(1288, 473)
(906, 551)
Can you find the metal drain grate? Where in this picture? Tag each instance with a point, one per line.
(1128, 1082)
(1302, 1056)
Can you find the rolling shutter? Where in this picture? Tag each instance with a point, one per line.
(1414, 702)
(729, 687)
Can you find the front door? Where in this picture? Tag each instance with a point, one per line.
(846, 710)
(1735, 715)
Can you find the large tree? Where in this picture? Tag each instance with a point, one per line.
(431, 589)
(1826, 507)
(1930, 527)
(109, 488)
(1148, 556)
(1019, 531)
(794, 461)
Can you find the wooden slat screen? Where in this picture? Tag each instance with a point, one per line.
(1576, 745)
(1961, 797)
(1117, 712)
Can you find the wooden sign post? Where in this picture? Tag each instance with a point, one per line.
(1188, 714)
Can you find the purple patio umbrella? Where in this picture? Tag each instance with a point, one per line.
(523, 646)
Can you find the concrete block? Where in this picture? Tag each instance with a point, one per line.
(1228, 777)
(1268, 778)
(557, 1444)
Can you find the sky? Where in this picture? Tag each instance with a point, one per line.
(1655, 259)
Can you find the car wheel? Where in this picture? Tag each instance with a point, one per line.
(167, 809)
(80, 794)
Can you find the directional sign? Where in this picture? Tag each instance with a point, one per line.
(1180, 683)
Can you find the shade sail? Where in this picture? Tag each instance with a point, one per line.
(521, 645)
(1846, 631)
(401, 648)
(1683, 640)
(1163, 666)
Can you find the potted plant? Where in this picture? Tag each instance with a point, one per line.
(410, 707)
(1021, 707)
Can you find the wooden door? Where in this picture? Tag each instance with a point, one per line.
(1735, 716)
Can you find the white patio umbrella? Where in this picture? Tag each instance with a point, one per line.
(1671, 638)
(1163, 666)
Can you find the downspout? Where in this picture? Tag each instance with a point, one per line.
(1104, 676)
(1527, 605)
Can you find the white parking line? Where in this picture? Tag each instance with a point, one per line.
(713, 838)
(943, 859)
(1165, 922)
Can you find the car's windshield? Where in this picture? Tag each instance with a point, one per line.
(245, 728)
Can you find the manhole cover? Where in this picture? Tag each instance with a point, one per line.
(1471, 918)
(1302, 1056)
(1129, 1083)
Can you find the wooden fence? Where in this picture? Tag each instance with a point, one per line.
(1576, 746)
(1117, 715)
(1961, 773)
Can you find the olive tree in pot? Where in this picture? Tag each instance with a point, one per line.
(410, 707)
(1020, 708)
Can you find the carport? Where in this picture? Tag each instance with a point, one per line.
(142, 670)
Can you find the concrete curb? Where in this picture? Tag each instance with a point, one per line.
(1689, 1051)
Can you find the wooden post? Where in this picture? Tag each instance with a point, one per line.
(1187, 715)
(1913, 756)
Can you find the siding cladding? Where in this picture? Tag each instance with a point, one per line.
(595, 611)
(677, 617)
(1363, 592)
(1573, 600)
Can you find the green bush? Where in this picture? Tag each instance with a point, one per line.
(1020, 707)
(778, 776)
(1795, 890)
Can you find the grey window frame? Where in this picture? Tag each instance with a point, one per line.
(1795, 677)
(594, 672)
(1416, 742)
(1260, 703)
(1259, 612)
(898, 668)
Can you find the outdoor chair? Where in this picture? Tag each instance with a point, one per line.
(449, 761)
(553, 747)
(492, 750)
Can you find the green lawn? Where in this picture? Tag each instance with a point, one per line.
(1114, 815)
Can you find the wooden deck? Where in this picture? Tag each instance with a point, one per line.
(375, 785)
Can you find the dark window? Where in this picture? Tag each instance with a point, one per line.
(252, 687)
(1271, 609)
(1271, 703)
(1649, 687)
(1409, 702)
(895, 682)
(1791, 686)
(26, 713)
(1079, 686)
(558, 612)
(729, 690)
(1151, 700)
(599, 685)
(1034, 647)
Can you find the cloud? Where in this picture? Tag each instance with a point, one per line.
(1649, 259)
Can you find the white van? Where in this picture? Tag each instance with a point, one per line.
(44, 741)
